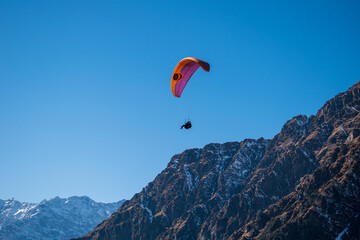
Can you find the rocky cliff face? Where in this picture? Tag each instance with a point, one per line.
(57, 218)
(302, 184)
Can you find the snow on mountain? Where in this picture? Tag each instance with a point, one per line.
(57, 218)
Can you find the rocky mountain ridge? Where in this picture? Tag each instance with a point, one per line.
(56, 218)
(302, 184)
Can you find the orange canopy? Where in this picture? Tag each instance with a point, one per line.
(183, 72)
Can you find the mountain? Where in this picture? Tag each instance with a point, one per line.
(302, 184)
(57, 218)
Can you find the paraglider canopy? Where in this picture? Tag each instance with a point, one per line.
(183, 72)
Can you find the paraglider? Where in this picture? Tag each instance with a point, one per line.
(183, 72)
(181, 76)
(186, 125)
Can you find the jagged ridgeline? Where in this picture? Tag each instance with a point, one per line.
(56, 218)
(302, 184)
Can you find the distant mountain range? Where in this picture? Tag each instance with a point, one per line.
(302, 184)
(57, 218)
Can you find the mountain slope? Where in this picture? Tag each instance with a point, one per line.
(305, 179)
(195, 184)
(56, 218)
(306, 143)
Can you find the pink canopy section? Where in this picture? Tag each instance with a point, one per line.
(187, 71)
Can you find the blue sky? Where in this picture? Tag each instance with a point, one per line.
(85, 100)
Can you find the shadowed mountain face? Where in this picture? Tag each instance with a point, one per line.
(302, 184)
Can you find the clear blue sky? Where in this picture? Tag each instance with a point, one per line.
(85, 100)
